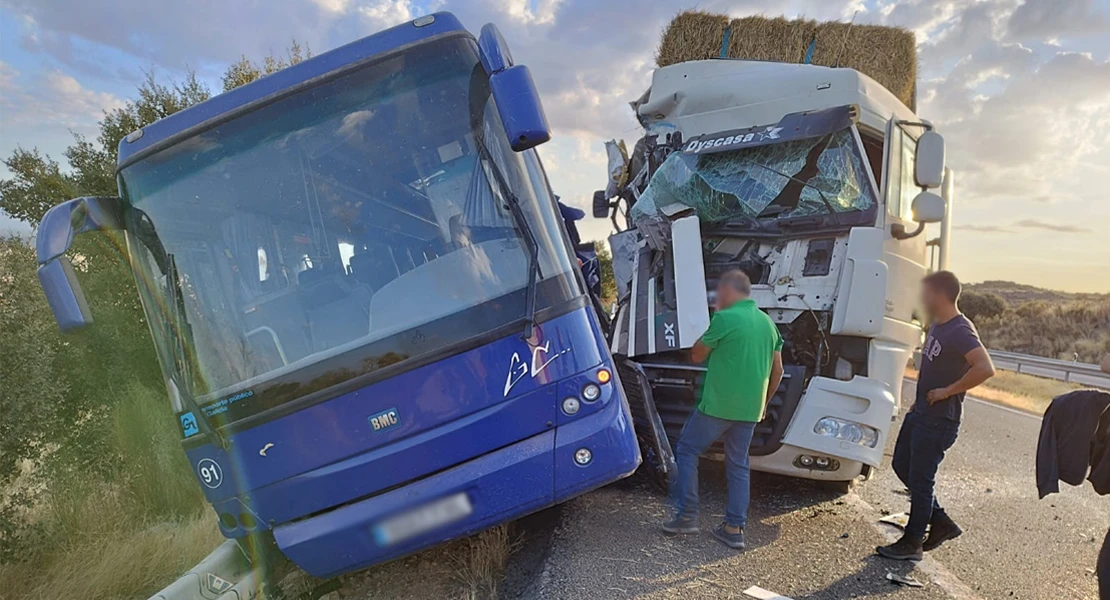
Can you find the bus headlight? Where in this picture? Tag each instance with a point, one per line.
(839, 429)
(591, 392)
(571, 405)
(583, 456)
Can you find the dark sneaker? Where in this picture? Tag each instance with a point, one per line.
(940, 532)
(681, 525)
(732, 540)
(907, 548)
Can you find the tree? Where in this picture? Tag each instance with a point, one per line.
(245, 71)
(608, 282)
(57, 395)
(979, 307)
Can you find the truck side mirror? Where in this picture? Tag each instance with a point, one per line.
(56, 232)
(514, 91)
(929, 164)
(928, 207)
(601, 205)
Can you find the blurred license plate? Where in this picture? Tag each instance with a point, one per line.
(421, 520)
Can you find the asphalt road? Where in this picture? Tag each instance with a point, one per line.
(1015, 545)
(807, 543)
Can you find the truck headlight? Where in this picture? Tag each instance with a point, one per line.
(849, 431)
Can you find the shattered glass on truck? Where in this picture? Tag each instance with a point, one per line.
(788, 179)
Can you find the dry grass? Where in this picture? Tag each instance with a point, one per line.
(480, 567)
(886, 54)
(1017, 390)
(115, 563)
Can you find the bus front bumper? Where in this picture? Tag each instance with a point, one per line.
(489, 490)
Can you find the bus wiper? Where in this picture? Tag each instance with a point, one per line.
(144, 231)
(478, 99)
(526, 230)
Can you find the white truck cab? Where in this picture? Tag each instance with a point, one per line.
(816, 182)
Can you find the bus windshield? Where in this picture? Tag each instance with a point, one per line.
(348, 227)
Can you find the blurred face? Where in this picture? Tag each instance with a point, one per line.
(727, 296)
(932, 300)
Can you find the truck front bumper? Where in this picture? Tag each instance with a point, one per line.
(861, 400)
(500, 486)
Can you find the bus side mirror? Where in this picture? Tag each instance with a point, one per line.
(929, 164)
(514, 91)
(59, 226)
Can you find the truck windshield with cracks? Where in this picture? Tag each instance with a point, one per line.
(370, 322)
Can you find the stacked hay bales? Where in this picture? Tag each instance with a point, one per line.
(886, 54)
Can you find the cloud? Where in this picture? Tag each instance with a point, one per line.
(1050, 19)
(50, 99)
(1056, 227)
(983, 228)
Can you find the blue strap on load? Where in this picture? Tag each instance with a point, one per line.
(809, 52)
(724, 42)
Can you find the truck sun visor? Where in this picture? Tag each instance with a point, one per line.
(795, 126)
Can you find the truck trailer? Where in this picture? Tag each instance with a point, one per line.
(815, 181)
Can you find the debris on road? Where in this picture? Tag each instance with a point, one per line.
(899, 520)
(905, 580)
(761, 594)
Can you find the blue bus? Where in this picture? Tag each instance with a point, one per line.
(369, 316)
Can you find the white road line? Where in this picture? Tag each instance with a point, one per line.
(991, 404)
(1005, 408)
(942, 577)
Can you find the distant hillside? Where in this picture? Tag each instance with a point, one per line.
(1019, 293)
(1041, 322)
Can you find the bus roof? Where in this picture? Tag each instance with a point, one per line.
(165, 132)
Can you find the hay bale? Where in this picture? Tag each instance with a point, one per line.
(886, 54)
(692, 35)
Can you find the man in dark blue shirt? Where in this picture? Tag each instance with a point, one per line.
(953, 361)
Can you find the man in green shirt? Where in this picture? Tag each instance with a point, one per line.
(744, 349)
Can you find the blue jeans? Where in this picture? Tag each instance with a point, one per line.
(699, 433)
(920, 448)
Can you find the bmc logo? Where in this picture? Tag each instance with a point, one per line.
(384, 420)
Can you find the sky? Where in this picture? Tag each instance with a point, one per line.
(1019, 88)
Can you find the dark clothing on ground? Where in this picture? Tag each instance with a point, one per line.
(920, 448)
(1074, 440)
(944, 363)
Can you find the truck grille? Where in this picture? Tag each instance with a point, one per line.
(675, 387)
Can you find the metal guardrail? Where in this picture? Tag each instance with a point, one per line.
(224, 574)
(1063, 370)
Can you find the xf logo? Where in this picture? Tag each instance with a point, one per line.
(669, 334)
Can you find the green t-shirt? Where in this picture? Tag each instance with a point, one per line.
(744, 340)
